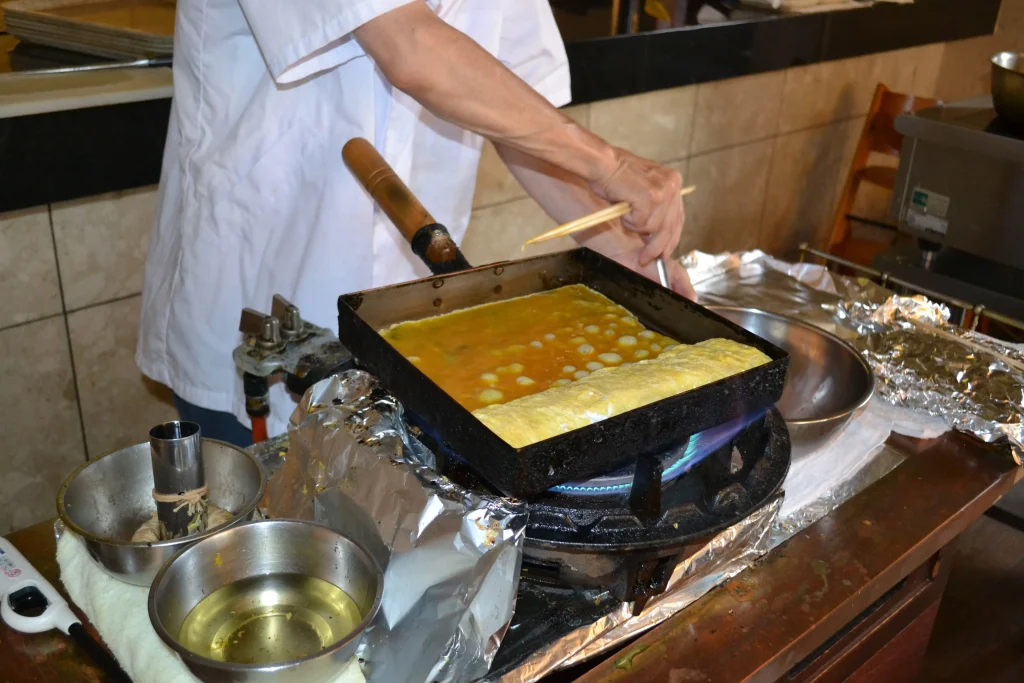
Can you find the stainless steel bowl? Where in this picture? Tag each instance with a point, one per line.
(827, 384)
(106, 500)
(273, 547)
(1008, 85)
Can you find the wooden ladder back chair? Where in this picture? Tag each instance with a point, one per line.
(879, 135)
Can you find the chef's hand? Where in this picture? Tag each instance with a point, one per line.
(625, 247)
(678, 278)
(653, 190)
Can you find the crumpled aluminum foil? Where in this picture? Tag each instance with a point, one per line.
(726, 555)
(451, 557)
(921, 361)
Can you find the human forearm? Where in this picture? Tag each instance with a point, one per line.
(460, 82)
(563, 196)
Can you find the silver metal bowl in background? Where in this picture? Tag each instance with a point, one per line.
(262, 549)
(1008, 85)
(827, 384)
(107, 499)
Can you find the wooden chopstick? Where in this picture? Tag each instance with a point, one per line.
(597, 218)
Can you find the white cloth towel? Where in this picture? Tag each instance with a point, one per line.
(119, 612)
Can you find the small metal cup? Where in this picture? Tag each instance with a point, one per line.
(176, 450)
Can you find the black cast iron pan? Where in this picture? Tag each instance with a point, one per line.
(579, 454)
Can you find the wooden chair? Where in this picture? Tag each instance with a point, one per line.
(879, 135)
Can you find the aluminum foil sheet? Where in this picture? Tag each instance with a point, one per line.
(921, 361)
(451, 556)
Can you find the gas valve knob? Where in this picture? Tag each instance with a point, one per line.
(292, 326)
(265, 329)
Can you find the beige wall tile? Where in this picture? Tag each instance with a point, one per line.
(101, 245)
(497, 233)
(656, 125)
(725, 212)
(896, 69)
(736, 111)
(119, 405)
(494, 182)
(28, 271)
(1011, 20)
(39, 426)
(806, 171)
(819, 94)
(580, 113)
(966, 71)
(929, 68)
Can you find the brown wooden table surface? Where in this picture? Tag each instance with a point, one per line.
(754, 628)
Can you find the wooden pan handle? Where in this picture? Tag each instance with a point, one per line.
(386, 188)
(430, 240)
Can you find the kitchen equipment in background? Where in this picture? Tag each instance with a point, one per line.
(28, 603)
(1008, 86)
(276, 589)
(960, 191)
(117, 29)
(106, 500)
(828, 382)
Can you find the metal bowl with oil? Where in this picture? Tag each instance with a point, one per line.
(277, 600)
(106, 500)
(827, 384)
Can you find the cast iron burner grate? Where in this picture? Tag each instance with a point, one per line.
(628, 538)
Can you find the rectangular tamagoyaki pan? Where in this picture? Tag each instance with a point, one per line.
(598, 448)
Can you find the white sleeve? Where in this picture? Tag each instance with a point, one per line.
(532, 47)
(299, 38)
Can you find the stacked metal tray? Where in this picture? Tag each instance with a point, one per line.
(115, 29)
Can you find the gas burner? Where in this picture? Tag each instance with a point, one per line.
(627, 531)
(630, 541)
(674, 462)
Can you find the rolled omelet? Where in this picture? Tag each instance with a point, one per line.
(616, 390)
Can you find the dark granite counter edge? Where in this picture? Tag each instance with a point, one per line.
(59, 156)
(627, 65)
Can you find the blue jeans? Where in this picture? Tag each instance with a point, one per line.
(214, 424)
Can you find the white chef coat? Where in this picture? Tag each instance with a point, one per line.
(254, 197)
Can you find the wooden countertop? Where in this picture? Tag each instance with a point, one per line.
(757, 626)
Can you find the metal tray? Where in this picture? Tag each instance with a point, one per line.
(581, 453)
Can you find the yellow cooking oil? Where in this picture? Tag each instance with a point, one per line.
(269, 619)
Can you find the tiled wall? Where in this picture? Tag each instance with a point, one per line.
(768, 154)
(70, 277)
